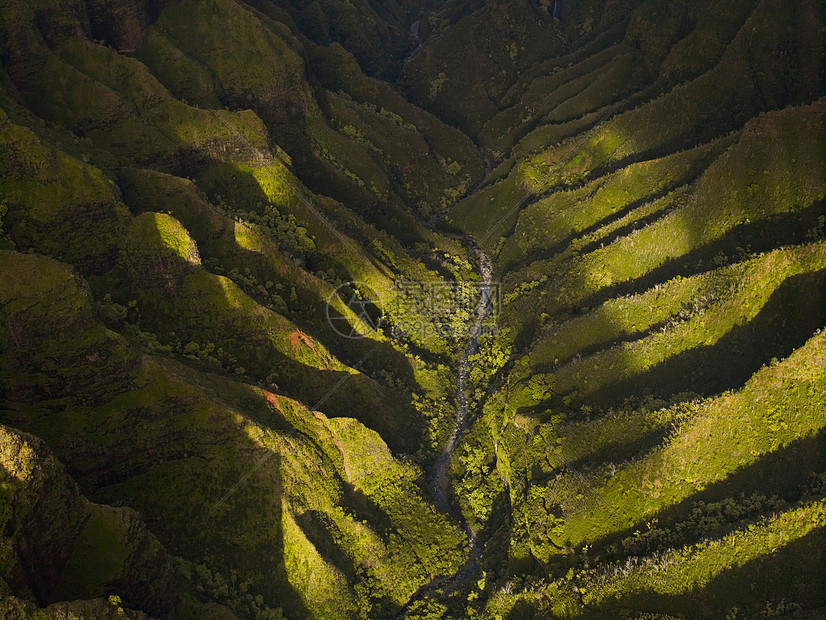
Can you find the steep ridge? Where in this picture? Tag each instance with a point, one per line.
(198, 314)
(56, 541)
(202, 203)
(660, 252)
(112, 423)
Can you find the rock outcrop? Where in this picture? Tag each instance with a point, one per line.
(44, 514)
(56, 545)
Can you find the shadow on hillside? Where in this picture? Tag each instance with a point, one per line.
(366, 509)
(785, 474)
(322, 178)
(316, 527)
(523, 610)
(336, 393)
(223, 182)
(786, 229)
(519, 260)
(321, 533)
(795, 573)
(695, 170)
(232, 525)
(790, 579)
(310, 308)
(621, 451)
(200, 308)
(788, 319)
(215, 235)
(790, 316)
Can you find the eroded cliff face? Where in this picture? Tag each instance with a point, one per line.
(56, 545)
(43, 517)
(187, 185)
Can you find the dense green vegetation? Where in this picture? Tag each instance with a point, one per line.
(202, 202)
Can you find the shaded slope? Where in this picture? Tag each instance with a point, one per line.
(111, 421)
(646, 222)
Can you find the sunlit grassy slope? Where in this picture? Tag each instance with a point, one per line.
(177, 461)
(191, 190)
(652, 443)
(167, 280)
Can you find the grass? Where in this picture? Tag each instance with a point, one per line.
(138, 123)
(147, 97)
(57, 287)
(713, 579)
(712, 305)
(780, 403)
(260, 64)
(716, 26)
(205, 455)
(327, 136)
(159, 238)
(463, 77)
(568, 214)
(339, 73)
(185, 77)
(249, 255)
(682, 571)
(541, 96)
(622, 269)
(389, 138)
(234, 321)
(619, 274)
(669, 123)
(325, 586)
(99, 557)
(646, 60)
(591, 504)
(757, 183)
(436, 548)
(679, 112)
(60, 205)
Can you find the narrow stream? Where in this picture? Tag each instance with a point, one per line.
(488, 169)
(439, 478)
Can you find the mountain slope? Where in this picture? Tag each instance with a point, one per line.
(654, 245)
(229, 408)
(162, 357)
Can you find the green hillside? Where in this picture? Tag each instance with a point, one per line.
(501, 309)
